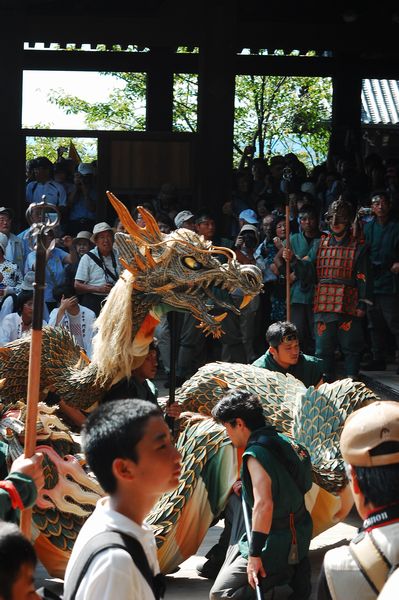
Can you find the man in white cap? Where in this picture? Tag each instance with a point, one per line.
(98, 270)
(185, 219)
(370, 447)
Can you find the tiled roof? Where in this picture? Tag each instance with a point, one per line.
(380, 102)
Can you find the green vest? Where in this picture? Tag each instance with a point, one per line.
(308, 369)
(287, 498)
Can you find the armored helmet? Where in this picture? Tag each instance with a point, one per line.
(339, 211)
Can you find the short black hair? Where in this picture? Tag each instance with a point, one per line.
(23, 296)
(239, 403)
(15, 551)
(113, 431)
(279, 329)
(380, 485)
(381, 192)
(309, 209)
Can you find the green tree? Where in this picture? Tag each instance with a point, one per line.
(283, 114)
(47, 146)
(275, 114)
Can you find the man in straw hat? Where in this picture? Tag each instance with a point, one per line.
(98, 270)
(370, 447)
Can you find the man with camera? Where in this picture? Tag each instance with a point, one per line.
(245, 245)
(382, 235)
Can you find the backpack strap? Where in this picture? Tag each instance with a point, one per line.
(102, 265)
(104, 541)
(370, 559)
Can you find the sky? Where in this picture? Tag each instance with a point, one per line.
(37, 85)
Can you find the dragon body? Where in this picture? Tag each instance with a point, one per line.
(177, 271)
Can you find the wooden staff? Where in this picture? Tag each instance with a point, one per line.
(38, 231)
(174, 330)
(258, 586)
(287, 264)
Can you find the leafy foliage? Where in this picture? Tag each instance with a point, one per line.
(278, 115)
(47, 146)
(275, 114)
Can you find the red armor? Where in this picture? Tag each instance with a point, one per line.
(336, 290)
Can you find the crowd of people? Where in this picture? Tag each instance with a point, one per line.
(341, 255)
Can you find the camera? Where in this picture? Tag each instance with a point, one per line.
(365, 211)
(249, 239)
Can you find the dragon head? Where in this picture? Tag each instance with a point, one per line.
(163, 272)
(182, 270)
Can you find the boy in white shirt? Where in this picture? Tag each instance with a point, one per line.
(129, 448)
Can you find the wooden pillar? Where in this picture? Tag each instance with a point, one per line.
(216, 88)
(159, 113)
(12, 146)
(346, 113)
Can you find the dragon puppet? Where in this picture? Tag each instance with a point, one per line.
(176, 271)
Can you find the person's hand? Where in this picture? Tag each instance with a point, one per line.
(255, 570)
(173, 410)
(105, 289)
(30, 466)
(237, 486)
(277, 242)
(288, 254)
(239, 241)
(67, 241)
(359, 312)
(68, 303)
(395, 268)
(292, 277)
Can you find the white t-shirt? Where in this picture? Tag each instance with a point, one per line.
(11, 328)
(113, 574)
(91, 273)
(80, 326)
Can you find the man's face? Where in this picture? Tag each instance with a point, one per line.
(380, 206)
(236, 435)
(308, 224)
(82, 246)
(5, 223)
(189, 224)
(287, 353)
(24, 587)
(339, 228)
(267, 225)
(104, 241)
(149, 368)
(206, 228)
(158, 465)
(42, 173)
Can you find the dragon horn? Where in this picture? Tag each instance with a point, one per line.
(126, 218)
(151, 224)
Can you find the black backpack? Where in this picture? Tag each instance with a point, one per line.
(99, 543)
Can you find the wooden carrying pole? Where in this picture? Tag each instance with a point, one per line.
(287, 264)
(38, 231)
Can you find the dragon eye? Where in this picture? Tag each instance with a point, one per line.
(192, 263)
